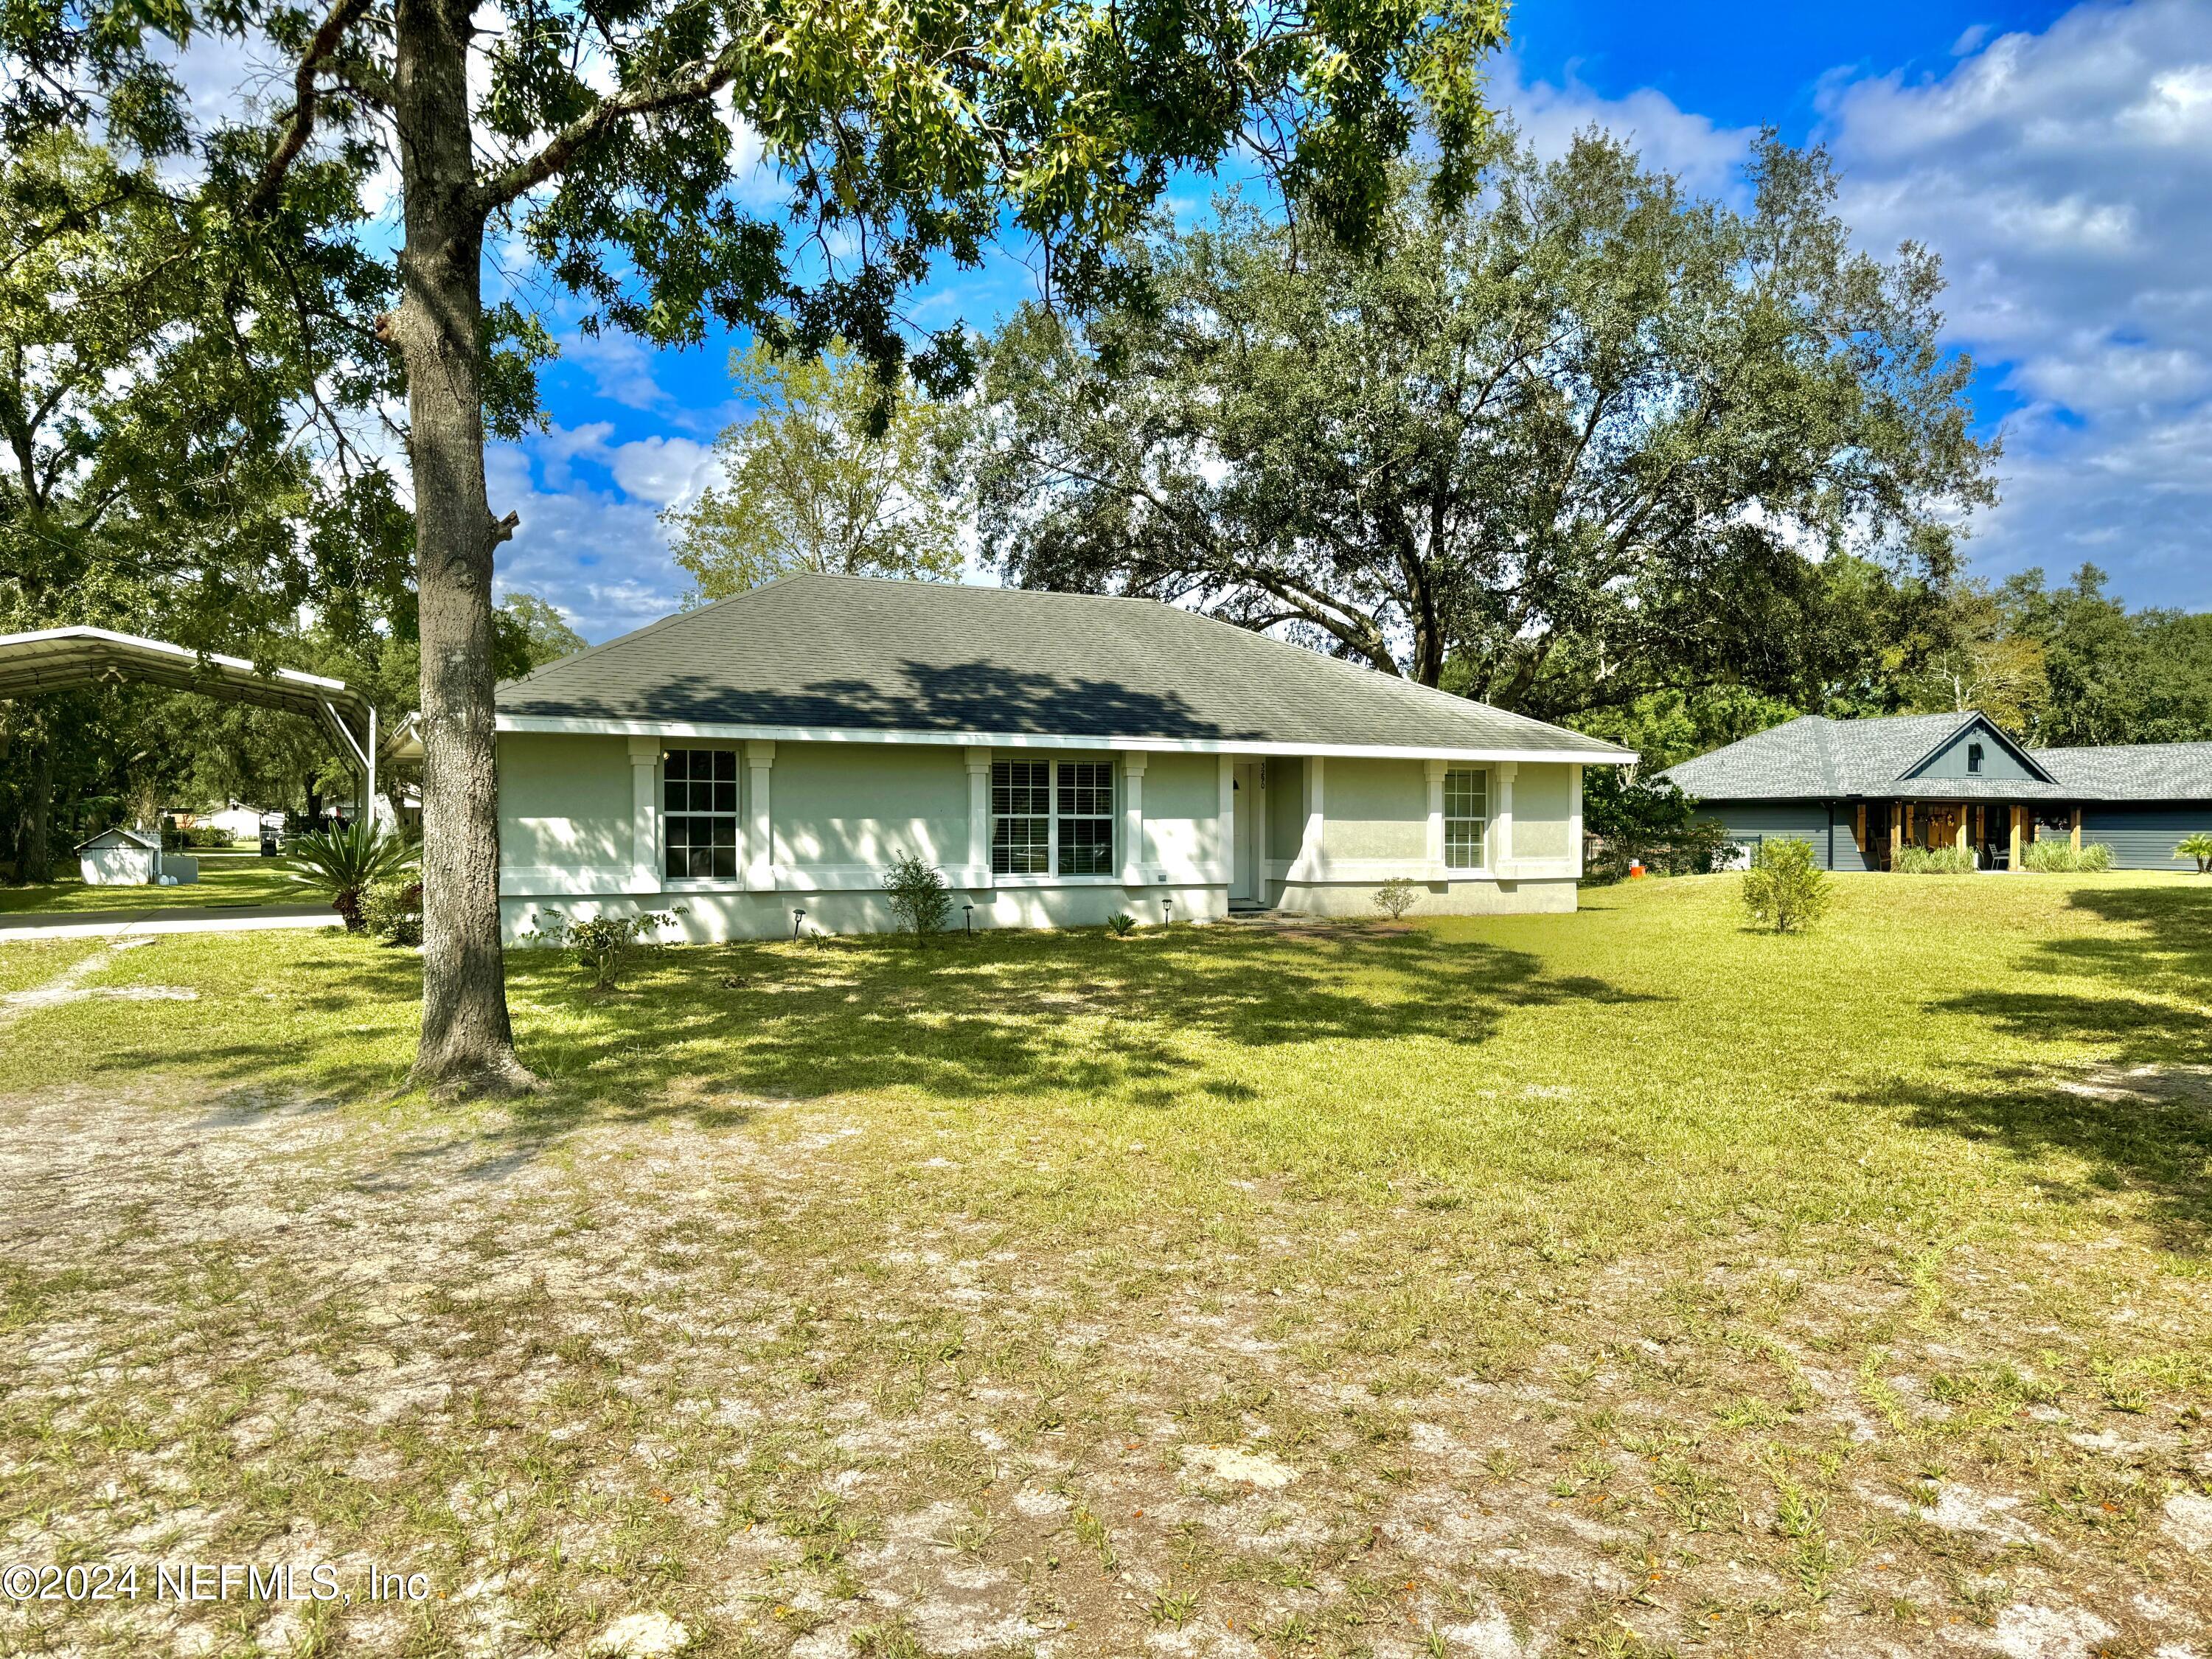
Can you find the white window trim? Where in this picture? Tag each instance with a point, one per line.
(1051, 875)
(670, 883)
(1482, 870)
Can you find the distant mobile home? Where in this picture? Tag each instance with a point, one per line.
(1061, 757)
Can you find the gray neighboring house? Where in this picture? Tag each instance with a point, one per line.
(1061, 757)
(1859, 789)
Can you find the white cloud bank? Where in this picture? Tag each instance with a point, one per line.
(2066, 179)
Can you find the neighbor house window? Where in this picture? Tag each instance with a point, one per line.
(699, 812)
(1466, 814)
(1973, 758)
(1052, 818)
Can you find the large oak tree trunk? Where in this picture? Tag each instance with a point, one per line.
(467, 1044)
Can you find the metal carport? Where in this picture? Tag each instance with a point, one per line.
(60, 659)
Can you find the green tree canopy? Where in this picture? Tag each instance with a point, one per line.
(833, 471)
(615, 146)
(1577, 440)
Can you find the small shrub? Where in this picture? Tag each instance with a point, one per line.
(603, 945)
(1121, 924)
(1783, 888)
(1933, 861)
(2198, 846)
(391, 909)
(2096, 856)
(918, 896)
(1395, 896)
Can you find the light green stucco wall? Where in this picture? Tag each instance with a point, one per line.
(1540, 813)
(1374, 809)
(563, 801)
(1286, 805)
(855, 804)
(1182, 812)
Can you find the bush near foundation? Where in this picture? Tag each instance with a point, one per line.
(1933, 861)
(2052, 858)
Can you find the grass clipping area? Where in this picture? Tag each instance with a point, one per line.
(1624, 1283)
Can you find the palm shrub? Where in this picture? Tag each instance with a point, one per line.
(1932, 862)
(918, 896)
(2198, 846)
(342, 864)
(1783, 888)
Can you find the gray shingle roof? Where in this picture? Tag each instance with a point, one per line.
(862, 654)
(2142, 771)
(1814, 758)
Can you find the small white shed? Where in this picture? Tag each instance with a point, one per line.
(132, 858)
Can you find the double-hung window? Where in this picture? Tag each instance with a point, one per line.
(699, 816)
(1466, 817)
(1052, 818)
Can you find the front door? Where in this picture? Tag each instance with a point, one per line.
(1243, 888)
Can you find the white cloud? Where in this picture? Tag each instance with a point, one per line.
(2064, 178)
(589, 537)
(1708, 159)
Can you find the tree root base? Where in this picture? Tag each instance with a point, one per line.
(501, 1077)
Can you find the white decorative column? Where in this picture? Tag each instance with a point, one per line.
(1132, 820)
(1575, 819)
(1435, 852)
(978, 817)
(760, 827)
(1309, 864)
(1501, 827)
(645, 815)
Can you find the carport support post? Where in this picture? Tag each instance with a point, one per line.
(1132, 820)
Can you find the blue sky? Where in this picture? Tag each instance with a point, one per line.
(2058, 157)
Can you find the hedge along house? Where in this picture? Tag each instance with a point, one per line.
(1061, 757)
(1860, 789)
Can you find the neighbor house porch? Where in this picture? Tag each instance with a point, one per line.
(1996, 832)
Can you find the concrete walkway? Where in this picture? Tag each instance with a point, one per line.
(169, 918)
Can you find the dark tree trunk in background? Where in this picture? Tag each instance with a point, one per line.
(467, 1044)
(34, 860)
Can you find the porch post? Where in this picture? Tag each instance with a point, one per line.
(644, 816)
(2012, 862)
(2077, 828)
(1501, 850)
(979, 815)
(760, 833)
(1963, 810)
(1309, 855)
(1435, 769)
(1132, 820)
(1896, 833)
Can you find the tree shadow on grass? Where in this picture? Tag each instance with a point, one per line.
(709, 1033)
(2140, 1120)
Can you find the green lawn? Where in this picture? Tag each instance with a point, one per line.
(227, 879)
(1621, 1283)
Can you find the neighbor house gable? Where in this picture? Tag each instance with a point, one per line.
(1982, 748)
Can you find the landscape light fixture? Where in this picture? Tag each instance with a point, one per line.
(1167, 912)
(797, 917)
(970, 918)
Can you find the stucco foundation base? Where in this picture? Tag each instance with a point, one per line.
(1549, 896)
(713, 917)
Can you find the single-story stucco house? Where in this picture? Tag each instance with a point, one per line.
(1061, 757)
(1859, 789)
